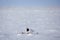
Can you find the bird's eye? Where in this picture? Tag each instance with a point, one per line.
(27, 29)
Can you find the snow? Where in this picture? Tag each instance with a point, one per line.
(45, 22)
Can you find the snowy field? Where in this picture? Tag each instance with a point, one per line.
(45, 21)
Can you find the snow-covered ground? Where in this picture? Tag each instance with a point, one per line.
(45, 21)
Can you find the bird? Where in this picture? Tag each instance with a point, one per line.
(28, 32)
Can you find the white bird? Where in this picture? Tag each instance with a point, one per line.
(28, 32)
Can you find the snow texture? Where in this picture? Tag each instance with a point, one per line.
(44, 21)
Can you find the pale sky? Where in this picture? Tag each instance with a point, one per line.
(30, 3)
